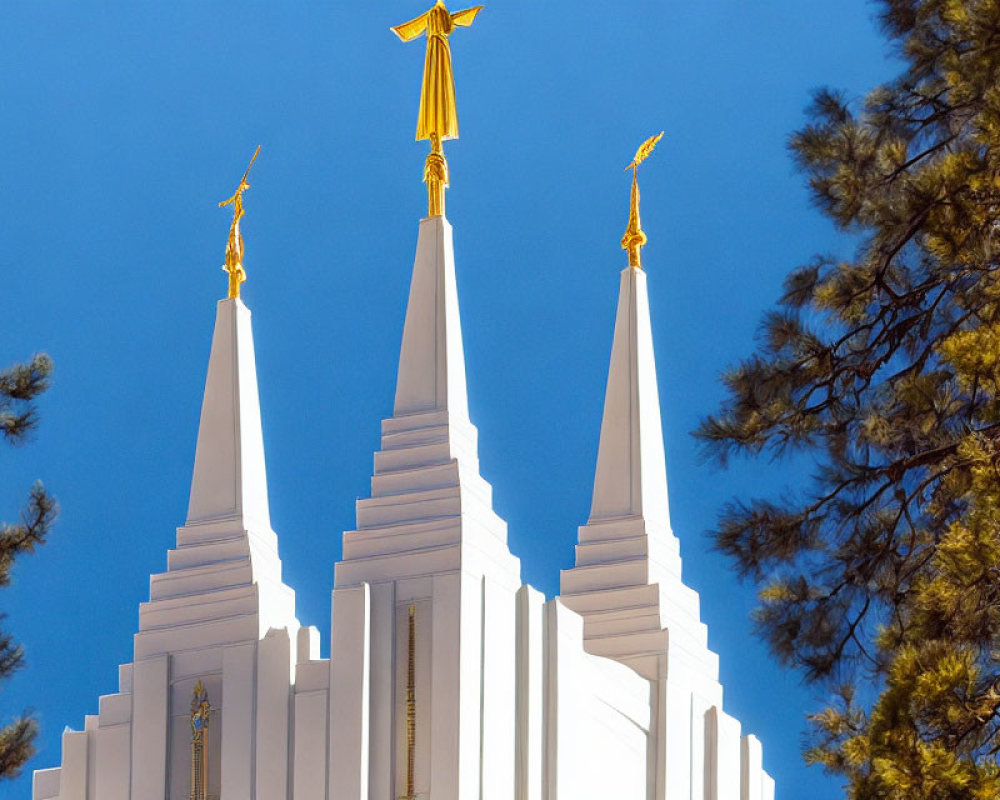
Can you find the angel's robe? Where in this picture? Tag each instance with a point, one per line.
(438, 115)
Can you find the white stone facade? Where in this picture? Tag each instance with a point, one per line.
(608, 691)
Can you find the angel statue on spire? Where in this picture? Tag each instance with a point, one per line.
(437, 119)
(234, 245)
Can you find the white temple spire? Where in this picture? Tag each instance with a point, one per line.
(226, 548)
(429, 555)
(429, 504)
(431, 374)
(627, 578)
(229, 481)
(631, 476)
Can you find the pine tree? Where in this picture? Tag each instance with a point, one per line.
(881, 580)
(20, 385)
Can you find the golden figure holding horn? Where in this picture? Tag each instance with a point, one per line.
(438, 116)
(635, 237)
(234, 246)
(200, 715)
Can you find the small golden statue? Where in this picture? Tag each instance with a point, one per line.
(234, 247)
(635, 238)
(438, 116)
(200, 713)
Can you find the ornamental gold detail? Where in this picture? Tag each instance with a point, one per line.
(201, 712)
(635, 238)
(234, 246)
(411, 704)
(437, 119)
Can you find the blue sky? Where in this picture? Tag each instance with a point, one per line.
(122, 125)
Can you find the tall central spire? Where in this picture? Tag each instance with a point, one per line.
(430, 509)
(429, 551)
(431, 375)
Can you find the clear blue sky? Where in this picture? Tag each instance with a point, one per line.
(122, 125)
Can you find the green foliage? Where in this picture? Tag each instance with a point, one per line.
(883, 580)
(20, 385)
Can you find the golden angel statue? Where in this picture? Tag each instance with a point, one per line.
(438, 116)
(437, 119)
(234, 246)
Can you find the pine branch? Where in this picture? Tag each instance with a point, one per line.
(884, 573)
(20, 386)
(36, 519)
(16, 746)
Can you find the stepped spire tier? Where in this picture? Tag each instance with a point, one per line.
(219, 623)
(429, 555)
(428, 499)
(627, 554)
(227, 540)
(627, 585)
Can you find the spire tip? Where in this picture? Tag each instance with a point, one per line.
(634, 238)
(234, 246)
